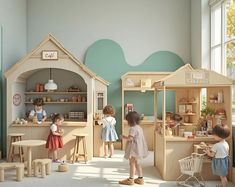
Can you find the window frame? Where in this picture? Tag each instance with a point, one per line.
(224, 40)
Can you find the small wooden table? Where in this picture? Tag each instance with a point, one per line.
(29, 144)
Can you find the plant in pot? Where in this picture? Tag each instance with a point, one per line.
(208, 112)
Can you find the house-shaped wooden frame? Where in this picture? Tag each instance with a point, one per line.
(188, 84)
(22, 78)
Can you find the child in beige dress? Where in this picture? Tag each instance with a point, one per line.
(136, 149)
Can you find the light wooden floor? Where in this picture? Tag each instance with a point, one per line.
(99, 172)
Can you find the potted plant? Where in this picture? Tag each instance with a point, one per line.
(208, 111)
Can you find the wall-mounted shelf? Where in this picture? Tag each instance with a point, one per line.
(59, 102)
(137, 89)
(187, 114)
(55, 93)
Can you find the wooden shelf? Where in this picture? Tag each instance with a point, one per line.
(66, 123)
(58, 102)
(54, 93)
(186, 103)
(137, 89)
(187, 114)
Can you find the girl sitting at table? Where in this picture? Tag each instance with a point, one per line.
(54, 140)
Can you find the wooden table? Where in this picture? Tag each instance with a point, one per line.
(29, 144)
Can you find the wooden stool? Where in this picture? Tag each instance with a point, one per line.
(43, 166)
(13, 165)
(80, 137)
(14, 137)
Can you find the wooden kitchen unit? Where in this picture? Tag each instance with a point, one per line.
(79, 96)
(190, 85)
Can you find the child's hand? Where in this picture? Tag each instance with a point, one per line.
(207, 151)
(61, 131)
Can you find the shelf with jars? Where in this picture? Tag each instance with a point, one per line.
(57, 97)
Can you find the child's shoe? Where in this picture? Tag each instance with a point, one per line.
(139, 181)
(56, 161)
(128, 181)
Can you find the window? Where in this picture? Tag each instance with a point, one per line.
(99, 101)
(223, 40)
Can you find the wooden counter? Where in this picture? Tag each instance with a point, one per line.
(98, 149)
(41, 131)
(47, 124)
(176, 148)
(148, 129)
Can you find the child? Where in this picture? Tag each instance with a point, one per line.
(38, 111)
(109, 134)
(136, 149)
(219, 153)
(54, 140)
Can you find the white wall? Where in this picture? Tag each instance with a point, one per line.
(13, 41)
(13, 21)
(200, 33)
(196, 33)
(141, 27)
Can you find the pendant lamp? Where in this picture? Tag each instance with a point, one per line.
(50, 86)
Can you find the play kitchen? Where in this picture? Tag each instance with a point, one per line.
(202, 100)
(65, 86)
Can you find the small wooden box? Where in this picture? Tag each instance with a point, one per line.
(145, 83)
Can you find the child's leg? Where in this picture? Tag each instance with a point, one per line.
(55, 154)
(130, 180)
(105, 148)
(224, 181)
(132, 161)
(139, 169)
(111, 148)
(50, 153)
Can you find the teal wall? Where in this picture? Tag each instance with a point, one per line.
(106, 58)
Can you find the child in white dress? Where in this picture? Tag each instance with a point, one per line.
(108, 134)
(220, 154)
(136, 149)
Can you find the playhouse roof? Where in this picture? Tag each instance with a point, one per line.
(51, 39)
(186, 76)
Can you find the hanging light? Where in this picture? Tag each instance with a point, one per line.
(50, 85)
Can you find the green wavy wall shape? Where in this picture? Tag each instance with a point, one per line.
(106, 58)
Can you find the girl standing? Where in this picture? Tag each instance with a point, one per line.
(136, 149)
(54, 140)
(220, 154)
(109, 134)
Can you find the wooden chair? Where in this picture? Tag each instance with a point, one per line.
(14, 137)
(76, 155)
(13, 165)
(43, 166)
